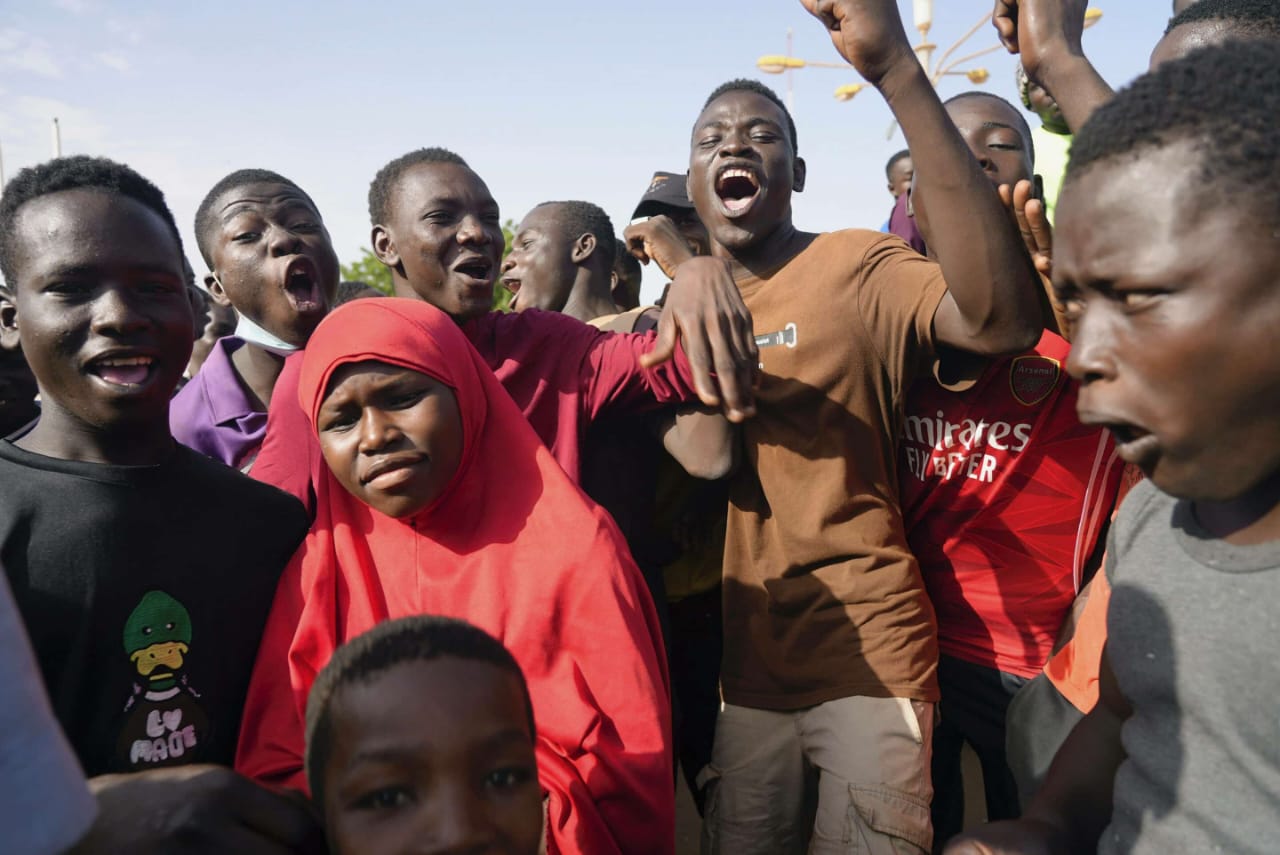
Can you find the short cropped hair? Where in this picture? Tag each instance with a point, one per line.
(744, 85)
(1024, 129)
(1250, 19)
(420, 638)
(241, 177)
(1224, 99)
(578, 218)
(388, 177)
(78, 172)
(354, 290)
(888, 167)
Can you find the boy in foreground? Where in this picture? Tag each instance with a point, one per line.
(143, 571)
(1166, 260)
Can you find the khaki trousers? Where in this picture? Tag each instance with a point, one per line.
(849, 775)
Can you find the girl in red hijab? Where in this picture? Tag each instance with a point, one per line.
(440, 499)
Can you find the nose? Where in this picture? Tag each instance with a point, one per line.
(114, 313)
(510, 262)
(377, 431)
(283, 241)
(460, 824)
(1091, 358)
(472, 230)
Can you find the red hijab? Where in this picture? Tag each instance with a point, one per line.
(511, 546)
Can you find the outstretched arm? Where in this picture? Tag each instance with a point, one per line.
(991, 305)
(1047, 35)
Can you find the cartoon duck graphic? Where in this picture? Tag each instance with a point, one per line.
(165, 724)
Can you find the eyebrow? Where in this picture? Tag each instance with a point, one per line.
(1002, 126)
(751, 123)
(93, 270)
(284, 200)
(397, 753)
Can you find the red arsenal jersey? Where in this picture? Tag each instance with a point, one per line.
(1004, 493)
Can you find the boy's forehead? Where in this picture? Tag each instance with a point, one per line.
(431, 180)
(92, 228)
(741, 104)
(984, 110)
(1184, 39)
(260, 194)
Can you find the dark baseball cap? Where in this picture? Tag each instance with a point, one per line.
(666, 190)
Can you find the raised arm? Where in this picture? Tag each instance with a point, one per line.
(1047, 34)
(991, 305)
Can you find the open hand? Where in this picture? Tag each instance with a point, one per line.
(705, 311)
(197, 809)
(657, 239)
(867, 33)
(1036, 29)
(1033, 223)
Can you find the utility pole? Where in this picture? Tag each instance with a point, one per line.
(57, 139)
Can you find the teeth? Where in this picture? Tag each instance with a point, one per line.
(133, 360)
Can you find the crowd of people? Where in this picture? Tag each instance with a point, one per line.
(405, 573)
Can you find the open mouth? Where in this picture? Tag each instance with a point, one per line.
(126, 372)
(512, 285)
(477, 268)
(737, 188)
(302, 287)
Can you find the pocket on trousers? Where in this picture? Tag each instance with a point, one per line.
(893, 814)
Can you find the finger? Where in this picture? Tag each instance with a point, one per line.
(1004, 19)
(1038, 217)
(698, 350)
(664, 346)
(732, 380)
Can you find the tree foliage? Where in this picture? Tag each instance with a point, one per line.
(367, 268)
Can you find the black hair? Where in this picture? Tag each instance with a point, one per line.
(744, 85)
(1250, 19)
(354, 290)
(1223, 99)
(888, 167)
(239, 178)
(420, 638)
(1023, 127)
(578, 218)
(388, 176)
(78, 172)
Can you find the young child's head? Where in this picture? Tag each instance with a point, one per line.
(268, 252)
(1212, 22)
(96, 292)
(898, 172)
(420, 738)
(436, 226)
(743, 165)
(1167, 258)
(552, 244)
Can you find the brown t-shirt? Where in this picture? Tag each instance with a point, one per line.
(822, 597)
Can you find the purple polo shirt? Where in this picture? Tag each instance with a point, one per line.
(213, 415)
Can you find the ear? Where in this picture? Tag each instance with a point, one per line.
(583, 247)
(797, 175)
(213, 285)
(9, 338)
(384, 246)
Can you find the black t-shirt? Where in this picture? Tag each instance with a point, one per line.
(144, 590)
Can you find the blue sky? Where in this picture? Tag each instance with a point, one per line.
(552, 100)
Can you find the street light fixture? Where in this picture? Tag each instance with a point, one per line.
(922, 17)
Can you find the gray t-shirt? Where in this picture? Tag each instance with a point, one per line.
(1192, 636)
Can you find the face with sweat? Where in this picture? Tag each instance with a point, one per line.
(742, 169)
(272, 259)
(442, 239)
(433, 756)
(100, 307)
(391, 436)
(1172, 293)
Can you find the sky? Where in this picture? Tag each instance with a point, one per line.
(561, 99)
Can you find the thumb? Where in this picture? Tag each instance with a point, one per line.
(664, 347)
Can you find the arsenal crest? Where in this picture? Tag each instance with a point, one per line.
(1032, 378)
